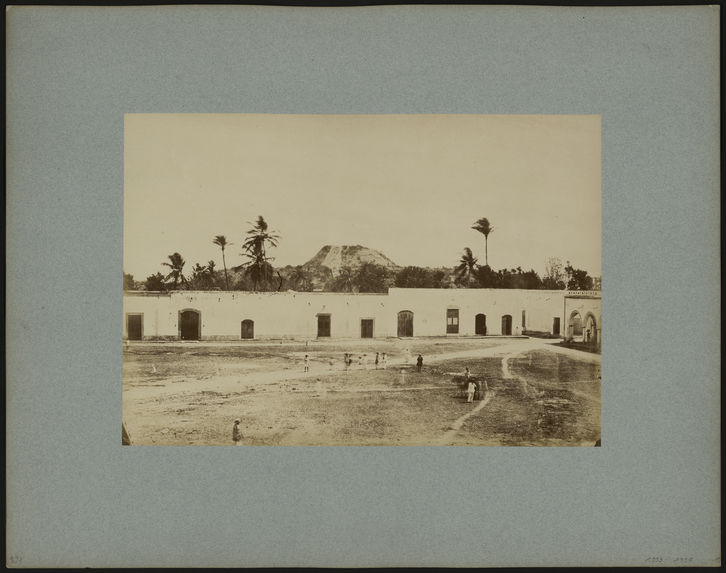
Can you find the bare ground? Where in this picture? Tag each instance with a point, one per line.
(190, 393)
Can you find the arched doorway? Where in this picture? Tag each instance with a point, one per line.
(590, 329)
(405, 323)
(480, 324)
(574, 325)
(248, 329)
(507, 325)
(190, 324)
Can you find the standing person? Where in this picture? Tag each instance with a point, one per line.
(470, 391)
(306, 361)
(419, 363)
(383, 360)
(236, 434)
(377, 360)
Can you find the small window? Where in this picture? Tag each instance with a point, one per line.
(452, 321)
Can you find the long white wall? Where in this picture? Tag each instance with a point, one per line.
(295, 315)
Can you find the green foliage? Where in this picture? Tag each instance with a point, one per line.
(129, 282)
(578, 279)
(300, 279)
(258, 267)
(344, 281)
(554, 277)
(176, 264)
(484, 227)
(203, 277)
(155, 283)
(371, 278)
(466, 269)
(418, 277)
(221, 242)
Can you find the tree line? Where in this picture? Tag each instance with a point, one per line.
(256, 273)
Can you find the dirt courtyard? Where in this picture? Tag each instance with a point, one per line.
(190, 393)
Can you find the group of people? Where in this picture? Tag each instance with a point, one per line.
(475, 389)
(380, 361)
(362, 361)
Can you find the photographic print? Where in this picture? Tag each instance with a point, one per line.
(351, 280)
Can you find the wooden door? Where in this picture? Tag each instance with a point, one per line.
(405, 323)
(134, 326)
(507, 324)
(248, 329)
(480, 324)
(323, 325)
(366, 328)
(189, 325)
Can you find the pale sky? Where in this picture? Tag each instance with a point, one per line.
(410, 186)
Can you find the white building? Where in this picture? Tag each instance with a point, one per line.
(225, 315)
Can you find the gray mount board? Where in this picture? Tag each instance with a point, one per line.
(649, 495)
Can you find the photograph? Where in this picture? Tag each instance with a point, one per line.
(362, 280)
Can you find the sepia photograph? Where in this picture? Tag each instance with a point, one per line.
(275, 228)
(351, 280)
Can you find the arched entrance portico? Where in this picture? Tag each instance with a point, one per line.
(591, 332)
(574, 325)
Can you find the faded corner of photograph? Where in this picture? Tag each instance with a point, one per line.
(327, 280)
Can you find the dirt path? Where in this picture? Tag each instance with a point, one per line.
(449, 436)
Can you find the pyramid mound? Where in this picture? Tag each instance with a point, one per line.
(334, 257)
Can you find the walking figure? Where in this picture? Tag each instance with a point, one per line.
(419, 363)
(470, 391)
(236, 434)
(383, 360)
(307, 363)
(376, 360)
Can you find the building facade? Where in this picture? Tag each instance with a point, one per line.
(240, 315)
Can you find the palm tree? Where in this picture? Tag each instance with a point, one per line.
(483, 226)
(221, 242)
(300, 278)
(258, 266)
(344, 281)
(467, 266)
(176, 265)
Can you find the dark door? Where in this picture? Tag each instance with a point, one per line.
(323, 325)
(189, 325)
(366, 328)
(405, 323)
(452, 321)
(248, 329)
(507, 324)
(480, 324)
(134, 326)
(556, 326)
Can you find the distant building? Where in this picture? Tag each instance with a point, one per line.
(235, 315)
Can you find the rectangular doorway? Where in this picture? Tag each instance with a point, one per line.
(366, 328)
(135, 326)
(556, 326)
(323, 325)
